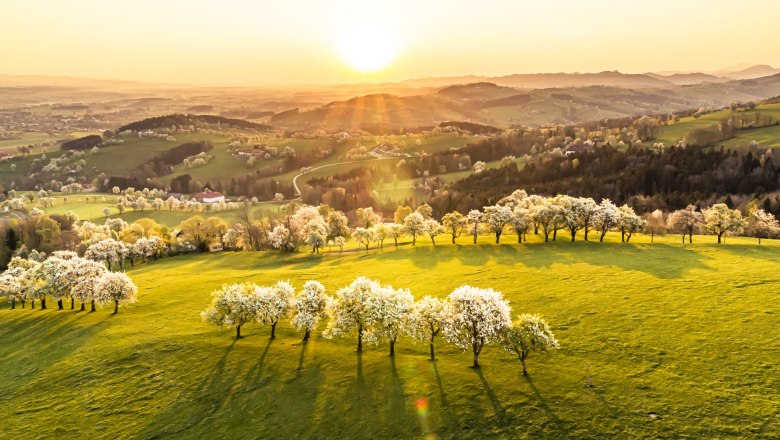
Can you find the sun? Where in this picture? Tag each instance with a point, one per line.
(368, 47)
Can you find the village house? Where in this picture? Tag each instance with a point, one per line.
(208, 196)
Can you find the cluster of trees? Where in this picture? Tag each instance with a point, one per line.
(191, 120)
(671, 178)
(470, 318)
(83, 143)
(163, 163)
(63, 276)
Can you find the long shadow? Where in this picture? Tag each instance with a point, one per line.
(204, 401)
(253, 375)
(48, 339)
(652, 259)
(360, 384)
(756, 251)
(447, 415)
(397, 407)
(304, 344)
(300, 391)
(423, 257)
(550, 414)
(498, 408)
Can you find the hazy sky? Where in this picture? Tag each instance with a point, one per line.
(240, 42)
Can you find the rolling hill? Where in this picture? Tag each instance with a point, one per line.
(502, 104)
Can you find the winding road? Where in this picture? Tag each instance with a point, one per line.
(295, 179)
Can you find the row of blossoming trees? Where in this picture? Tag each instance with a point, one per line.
(65, 276)
(470, 317)
(116, 241)
(520, 213)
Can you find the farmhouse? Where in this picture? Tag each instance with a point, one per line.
(208, 196)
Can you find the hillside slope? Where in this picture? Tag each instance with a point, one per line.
(646, 324)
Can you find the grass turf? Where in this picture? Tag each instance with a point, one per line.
(679, 341)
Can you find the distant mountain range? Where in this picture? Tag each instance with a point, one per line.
(518, 99)
(581, 98)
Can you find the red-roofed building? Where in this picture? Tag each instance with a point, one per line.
(208, 196)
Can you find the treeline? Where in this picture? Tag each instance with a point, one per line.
(187, 120)
(82, 143)
(471, 127)
(163, 163)
(671, 179)
(344, 192)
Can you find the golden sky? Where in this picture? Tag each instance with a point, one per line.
(242, 42)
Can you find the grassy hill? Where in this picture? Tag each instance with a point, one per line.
(766, 137)
(679, 341)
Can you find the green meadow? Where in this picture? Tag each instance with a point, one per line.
(676, 341)
(766, 137)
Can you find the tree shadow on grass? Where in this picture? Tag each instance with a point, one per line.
(756, 251)
(447, 416)
(48, 339)
(498, 408)
(253, 376)
(295, 405)
(659, 260)
(203, 402)
(423, 257)
(556, 422)
(397, 410)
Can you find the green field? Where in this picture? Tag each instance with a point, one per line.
(766, 137)
(403, 189)
(679, 341)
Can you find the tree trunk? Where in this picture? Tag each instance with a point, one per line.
(43, 303)
(453, 239)
(360, 339)
(719, 237)
(519, 237)
(82, 306)
(586, 233)
(93, 306)
(573, 234)
(13, 304)
(759, 241)
(522, 361)
(475, 234)
(72, 302)
(23, 303)
(603, 233)
(628, 238)
(622, 235)
(546, 236)
(116, 306)
(652, 237)
(498, 237)
(392, 347)
(306, 335)
(59, 304)
(273, 330)
(414, 239)
(555, 233)
(433, 355)
(32, 304)
(476, 357)
(396, 242)
(238, 331)
(690, 238)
